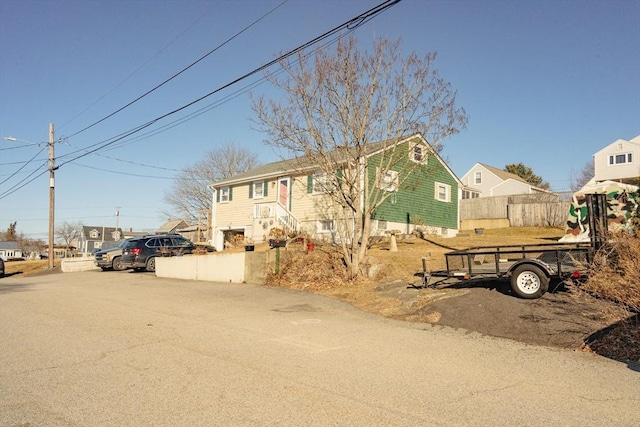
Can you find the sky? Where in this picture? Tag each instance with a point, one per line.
(545, 83)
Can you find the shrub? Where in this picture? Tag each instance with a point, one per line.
(615, 271)
(321, 268)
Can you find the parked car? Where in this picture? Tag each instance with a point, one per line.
(110, 259)
(140, 253)
(1, 267)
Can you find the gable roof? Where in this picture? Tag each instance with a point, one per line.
(504, 175)
(9, 245)
(171, 225)
(108, 232)
(307, 163)
(633, 142)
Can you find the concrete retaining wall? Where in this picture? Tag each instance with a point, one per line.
(71, 265)
(243, 267)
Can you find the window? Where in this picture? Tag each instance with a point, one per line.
(325, 226)
(443, 192)
(418, 154)
(225, 195)
(258, 190)
(478, 177)
(382, 225)
(470, 194)
(388, 181)
(620, 159)
(321, 183)
(94, 234)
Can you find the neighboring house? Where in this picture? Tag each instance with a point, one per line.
(95, 238)
(195, 233)
(618, 161)
(9, 250)
(486, 181)
(289, 196)
(172, 226)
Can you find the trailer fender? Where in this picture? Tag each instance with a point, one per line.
(532, 261)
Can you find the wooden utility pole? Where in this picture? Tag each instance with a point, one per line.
(52, 195)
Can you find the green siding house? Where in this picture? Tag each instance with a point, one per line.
(415, 187)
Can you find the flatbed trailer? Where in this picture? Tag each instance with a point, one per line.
(529, 267)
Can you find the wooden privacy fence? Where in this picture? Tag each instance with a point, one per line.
(521, 211)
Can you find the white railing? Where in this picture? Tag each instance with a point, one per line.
(289, 222)
(275, 210)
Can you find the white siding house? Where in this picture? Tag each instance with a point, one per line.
(618, 161)
(489, 181)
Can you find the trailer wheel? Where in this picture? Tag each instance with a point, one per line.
(529, 281)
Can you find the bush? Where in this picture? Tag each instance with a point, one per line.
(322, 268)
(615, 271)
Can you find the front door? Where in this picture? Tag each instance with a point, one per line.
(284, 192)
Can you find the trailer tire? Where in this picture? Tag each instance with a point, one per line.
(529, 281)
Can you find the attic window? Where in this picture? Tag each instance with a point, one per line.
(94, 234)
(478, 177)
(418, 154)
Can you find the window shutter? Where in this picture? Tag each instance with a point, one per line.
(309, 183)
(339, 177)
(265, 193)
(218, 196)
(230, 193)
(251, 190)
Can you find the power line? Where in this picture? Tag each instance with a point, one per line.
(350, 25)
(180, 72)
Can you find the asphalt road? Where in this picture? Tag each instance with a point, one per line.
(130, 349)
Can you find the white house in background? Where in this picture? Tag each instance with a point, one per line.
(618, 161)
(488, 181)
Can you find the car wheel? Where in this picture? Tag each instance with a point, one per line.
(529, 281)
(151, 264)
(117, 264)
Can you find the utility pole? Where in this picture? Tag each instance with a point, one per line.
(52, 194)
(116, 232)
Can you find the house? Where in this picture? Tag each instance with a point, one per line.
(95, 238)
(9, 250)
(172, 226)
(291, 195)
(486, 181)
(618, 161)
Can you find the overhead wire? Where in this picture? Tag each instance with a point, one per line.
(181, 71)
(352, 24)
(134, 72)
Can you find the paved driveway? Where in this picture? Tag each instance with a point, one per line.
(130, 349)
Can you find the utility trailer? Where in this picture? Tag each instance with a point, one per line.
(529, 267)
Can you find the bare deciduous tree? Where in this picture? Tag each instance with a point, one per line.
(338, 103)
(189, 195)
(579, 180)
(67, 232)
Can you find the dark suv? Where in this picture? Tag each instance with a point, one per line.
(140, 253)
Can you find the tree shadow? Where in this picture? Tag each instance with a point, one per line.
(608, 341)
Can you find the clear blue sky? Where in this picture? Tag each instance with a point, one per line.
(546, 83)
